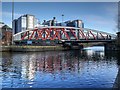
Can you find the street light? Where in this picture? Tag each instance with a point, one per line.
(12, 10)
(12, 19)
(44, 22)
(62, 18)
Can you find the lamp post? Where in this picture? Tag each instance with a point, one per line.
(12, 19)
(12, 10)
(44, 22)
(62, 18)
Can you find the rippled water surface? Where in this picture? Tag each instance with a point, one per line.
(59, 69)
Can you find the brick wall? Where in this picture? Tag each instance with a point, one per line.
(7, 39)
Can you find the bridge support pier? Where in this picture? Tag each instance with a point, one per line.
(118, 41)
(73, 46)
(110, 46)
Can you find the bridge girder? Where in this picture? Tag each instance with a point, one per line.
(64, 33)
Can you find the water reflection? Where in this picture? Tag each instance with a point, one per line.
(73, 69)
(115, 54)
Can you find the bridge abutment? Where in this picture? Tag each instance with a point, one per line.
(110, 46)
(118, 41)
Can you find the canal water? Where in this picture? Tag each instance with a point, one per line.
(87, 68)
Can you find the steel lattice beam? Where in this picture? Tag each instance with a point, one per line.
(64, 33)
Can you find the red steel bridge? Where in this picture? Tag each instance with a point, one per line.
(64, 34)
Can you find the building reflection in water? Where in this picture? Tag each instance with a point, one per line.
(50, 62)
(61, 64)
(28, 66)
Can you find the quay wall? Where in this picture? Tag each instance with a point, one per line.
(34, 48)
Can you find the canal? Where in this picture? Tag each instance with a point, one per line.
(87, 68)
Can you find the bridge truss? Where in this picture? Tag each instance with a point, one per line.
(63, 34)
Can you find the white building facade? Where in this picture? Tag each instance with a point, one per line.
(25, 22)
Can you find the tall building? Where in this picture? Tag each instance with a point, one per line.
(48, 23)
(14, 26)
(52, 22)
(36, 23)
(30, 19)
(25, 22)
(21, 24)
(75, 23)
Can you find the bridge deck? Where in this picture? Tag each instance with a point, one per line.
(86, 41)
